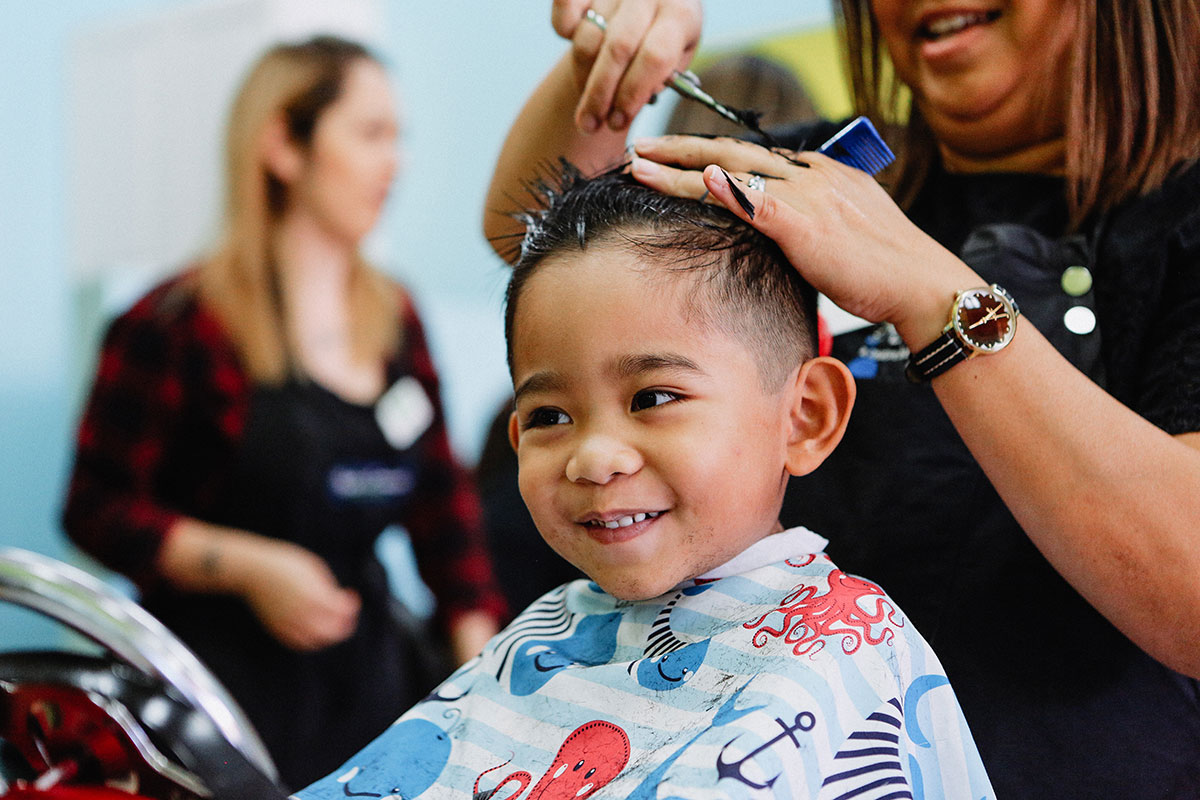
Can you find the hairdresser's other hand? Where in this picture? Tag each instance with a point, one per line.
(619, 70)
(297, 598)
(836, 225)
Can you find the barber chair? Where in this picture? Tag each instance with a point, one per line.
(145, 720)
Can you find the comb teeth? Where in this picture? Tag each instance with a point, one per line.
(859, 145)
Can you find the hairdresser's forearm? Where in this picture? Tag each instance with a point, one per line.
(1112, 501)
(543, 131)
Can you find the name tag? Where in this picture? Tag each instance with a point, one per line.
(370, 482)
(404, 412)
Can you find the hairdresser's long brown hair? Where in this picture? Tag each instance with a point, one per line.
(1133, 116)
(239, 282)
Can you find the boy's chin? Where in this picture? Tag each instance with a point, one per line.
(634, 590)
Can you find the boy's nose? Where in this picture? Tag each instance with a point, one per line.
(599, 459)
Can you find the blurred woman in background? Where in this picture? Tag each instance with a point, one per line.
(259, 419)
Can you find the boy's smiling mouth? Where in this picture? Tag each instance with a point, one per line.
(620, 526)
(622, 521)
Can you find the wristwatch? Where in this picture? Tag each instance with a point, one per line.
(982, 322)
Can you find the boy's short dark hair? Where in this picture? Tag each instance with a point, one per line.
(747, 287)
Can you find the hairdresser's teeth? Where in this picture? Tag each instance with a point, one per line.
(953, 24)
(638, 517)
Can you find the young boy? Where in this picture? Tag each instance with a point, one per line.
(666, 381)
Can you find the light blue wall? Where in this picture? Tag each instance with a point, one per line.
(463, 69)
(36, 406)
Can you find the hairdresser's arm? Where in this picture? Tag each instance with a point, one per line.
(1112, 501)
(582, 110)
(290, 589)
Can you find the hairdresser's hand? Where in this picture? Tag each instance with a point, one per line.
(836, 225)
(620, 69)
(298, 599)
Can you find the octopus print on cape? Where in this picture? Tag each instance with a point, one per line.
(588, 760)
(808, 618)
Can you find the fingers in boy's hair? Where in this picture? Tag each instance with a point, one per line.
(698, 152)
(791, 156)
(669, 180)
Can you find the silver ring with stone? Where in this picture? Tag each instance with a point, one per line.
(757, 182)
(596, 18)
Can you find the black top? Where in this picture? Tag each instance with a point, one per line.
(1061, 704)
(316, 470)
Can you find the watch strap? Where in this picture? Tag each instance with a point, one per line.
(942, 354)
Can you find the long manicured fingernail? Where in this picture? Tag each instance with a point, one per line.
(739, 195)
(590, 123)
(617, 120)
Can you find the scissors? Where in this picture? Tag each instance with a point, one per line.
(858, 144)
(687, 84)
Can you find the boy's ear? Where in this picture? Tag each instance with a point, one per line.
(282, 157)
(824, 394)
(514, 430)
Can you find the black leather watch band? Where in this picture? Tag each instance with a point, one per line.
(941, 355)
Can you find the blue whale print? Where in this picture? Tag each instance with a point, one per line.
(672, 670)
(539, 660)
(403, 761)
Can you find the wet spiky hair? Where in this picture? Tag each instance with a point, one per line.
(748, 289)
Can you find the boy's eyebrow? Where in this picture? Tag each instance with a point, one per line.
(539, 382)
(626, 366)
(631, 365)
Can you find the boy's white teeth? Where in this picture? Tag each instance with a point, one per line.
(625, 522)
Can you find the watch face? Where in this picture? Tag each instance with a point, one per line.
(984, 320)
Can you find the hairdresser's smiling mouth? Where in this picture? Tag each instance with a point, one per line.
(944, 38)
(942, 25)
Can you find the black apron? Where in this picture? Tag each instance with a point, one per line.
(1060, 703)
(316, 470)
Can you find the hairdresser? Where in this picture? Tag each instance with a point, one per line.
(259, 419)
(1035, 509)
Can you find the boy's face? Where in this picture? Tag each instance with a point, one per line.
(649, 452)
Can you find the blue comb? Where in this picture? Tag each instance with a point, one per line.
(859, 145)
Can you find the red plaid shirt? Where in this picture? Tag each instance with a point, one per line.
(164, 422)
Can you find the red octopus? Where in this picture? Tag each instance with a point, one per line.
(592, 755)
(808, 618)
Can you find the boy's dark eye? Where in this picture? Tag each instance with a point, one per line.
(650, 398)
(545, 417)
